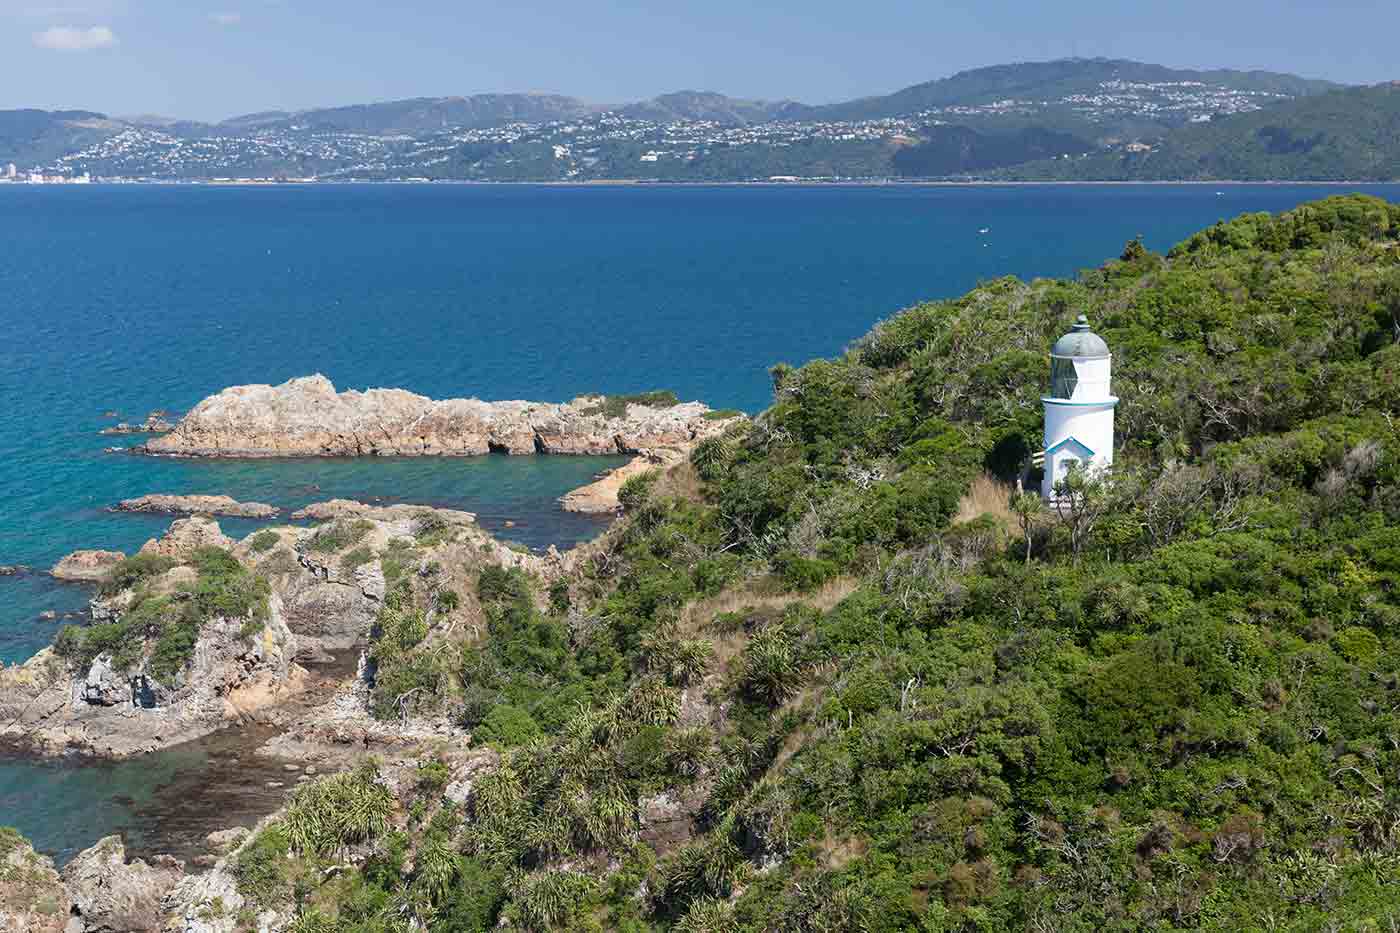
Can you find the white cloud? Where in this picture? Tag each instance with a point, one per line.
(69, 39)
(226, 19)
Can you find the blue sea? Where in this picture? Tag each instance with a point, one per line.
(133, 298)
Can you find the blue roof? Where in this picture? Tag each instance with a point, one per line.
(1081, 342)
(1071, 440)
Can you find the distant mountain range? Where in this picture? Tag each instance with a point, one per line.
(1068, 119)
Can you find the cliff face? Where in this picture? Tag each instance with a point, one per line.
(307, 417)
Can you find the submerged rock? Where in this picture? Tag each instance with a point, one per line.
(87, 566)
(13, 570)
(308, 417)
(196, 505)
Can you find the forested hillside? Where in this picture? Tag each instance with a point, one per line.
(834, 674)
(875, 690)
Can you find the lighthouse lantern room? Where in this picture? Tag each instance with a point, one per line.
(1079, 408)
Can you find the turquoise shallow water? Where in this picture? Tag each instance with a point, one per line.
(135, 298)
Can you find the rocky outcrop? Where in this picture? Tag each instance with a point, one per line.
(155, 423)
(308, 417)
(111, 895)
(232, 674)
(196, 505)
(401, 512)
(13, 570)
(600, 497)
(667, 821)
(187, 535)
(98, 710)
(32, 897)
(87, 566)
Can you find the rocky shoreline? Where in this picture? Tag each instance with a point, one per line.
(307, 417)
(283, 673)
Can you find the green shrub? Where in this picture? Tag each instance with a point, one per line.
(497, 584)
(264, 541)
(134, 570)
(507, 726)
(447, 600)
(433, 775)
(615, 406)
(636, 490)
(712, 457)
(355, 558)
(339, 534)
(769, 668)
(330, 813)
(803, 574)
(260, 867)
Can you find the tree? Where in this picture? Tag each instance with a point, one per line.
(1026, 506)
(1081, 500)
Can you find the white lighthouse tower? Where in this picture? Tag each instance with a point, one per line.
(1079, 408)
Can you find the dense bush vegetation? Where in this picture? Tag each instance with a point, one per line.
(1171, 706)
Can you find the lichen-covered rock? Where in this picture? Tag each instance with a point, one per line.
(187, 535)
(205, 903)
(196, 505)
(32, 897)
(87, 566)
(308, 417)
(668, 819)
(224, 840)
(104, 686)
(111, 895)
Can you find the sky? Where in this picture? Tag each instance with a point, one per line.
(211, 59)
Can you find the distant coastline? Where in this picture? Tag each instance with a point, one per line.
(652, 183)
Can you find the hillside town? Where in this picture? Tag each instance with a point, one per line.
(608, 144)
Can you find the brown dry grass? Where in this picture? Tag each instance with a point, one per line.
(680, 481)
(698, 614)
(987, 496)
(838, 853)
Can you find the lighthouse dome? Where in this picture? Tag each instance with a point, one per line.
(1081, 343)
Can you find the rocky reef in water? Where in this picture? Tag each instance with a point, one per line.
(307, 417)
(158, 503)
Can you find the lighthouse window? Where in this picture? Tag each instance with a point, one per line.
(1063, 378)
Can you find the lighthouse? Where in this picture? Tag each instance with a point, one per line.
(1079, 408)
